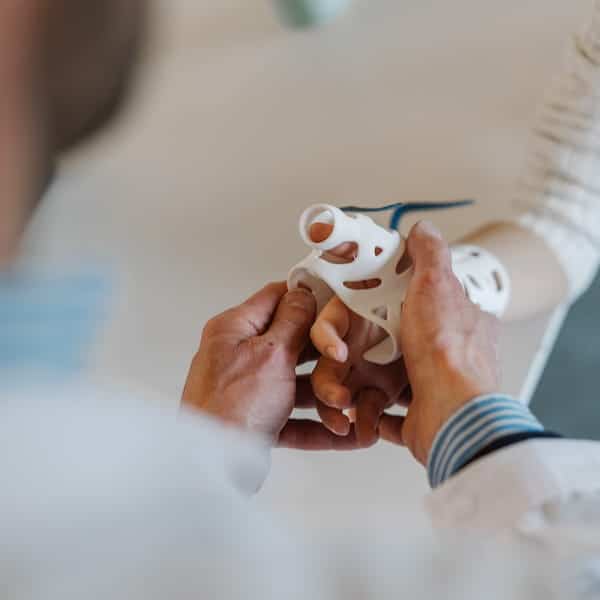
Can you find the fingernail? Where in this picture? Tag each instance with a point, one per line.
(331, 352)
(339, 353)
(343, 428)
(430, 229)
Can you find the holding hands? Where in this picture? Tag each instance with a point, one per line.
(245, 370)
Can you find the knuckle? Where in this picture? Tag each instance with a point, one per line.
(218, 324)
(442, 342)
(296, 315)
(433, 279)
(430, 278)
(212, 326)
(274, 288)
(301, 305)
(443, 348)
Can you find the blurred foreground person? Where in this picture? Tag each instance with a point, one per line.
(114, 497)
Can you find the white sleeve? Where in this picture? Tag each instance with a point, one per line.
(505, 490)
(113, 497)
(560, 188)
(244, 459)
(117, 499)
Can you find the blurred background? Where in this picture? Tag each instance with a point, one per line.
(241, 119)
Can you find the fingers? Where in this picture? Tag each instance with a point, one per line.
(327, 381)
(391, 379)
(369, 407)
(391, 429)
(434, 291)
(427, 249)
(252, 317)
(334, 419)
(292, 321)
(329, 330)
(304, 434)
(343, 253)
(319, 232)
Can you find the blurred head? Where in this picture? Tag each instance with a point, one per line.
(92, 47)
(65, 69)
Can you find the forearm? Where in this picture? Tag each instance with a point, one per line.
(552, 249)
(538, 282)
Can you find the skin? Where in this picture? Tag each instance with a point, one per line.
(342, 337)
(449, 354)
(244, 371)
(450, 346)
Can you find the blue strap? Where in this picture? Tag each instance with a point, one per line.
(402, 208)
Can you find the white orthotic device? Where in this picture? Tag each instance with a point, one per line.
(380, 259)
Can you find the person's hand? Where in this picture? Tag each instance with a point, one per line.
(245, 370)
(351, 392)
(450, 346)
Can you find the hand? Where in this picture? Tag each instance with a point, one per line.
(245, 370)
(450, 346)
(343, 380)
(350, 382)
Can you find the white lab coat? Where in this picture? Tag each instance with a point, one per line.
(124, 499)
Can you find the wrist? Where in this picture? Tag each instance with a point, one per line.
(480, 422)
(445, 402)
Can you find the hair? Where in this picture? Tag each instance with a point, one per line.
(90, 50)
(65, 68)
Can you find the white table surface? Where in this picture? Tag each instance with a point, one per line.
(238, 124)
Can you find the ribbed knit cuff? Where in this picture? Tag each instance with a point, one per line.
(479, 423)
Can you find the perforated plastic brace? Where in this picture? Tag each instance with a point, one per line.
(379, 259)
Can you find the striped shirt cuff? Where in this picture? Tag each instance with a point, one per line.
(478, 424)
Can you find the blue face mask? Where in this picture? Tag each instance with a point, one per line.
(48, 323)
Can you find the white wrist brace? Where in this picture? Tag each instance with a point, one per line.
(380, 259)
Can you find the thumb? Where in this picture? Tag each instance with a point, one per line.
(427, 248)
(292, 321)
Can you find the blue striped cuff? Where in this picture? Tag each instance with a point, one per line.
(479, 423)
